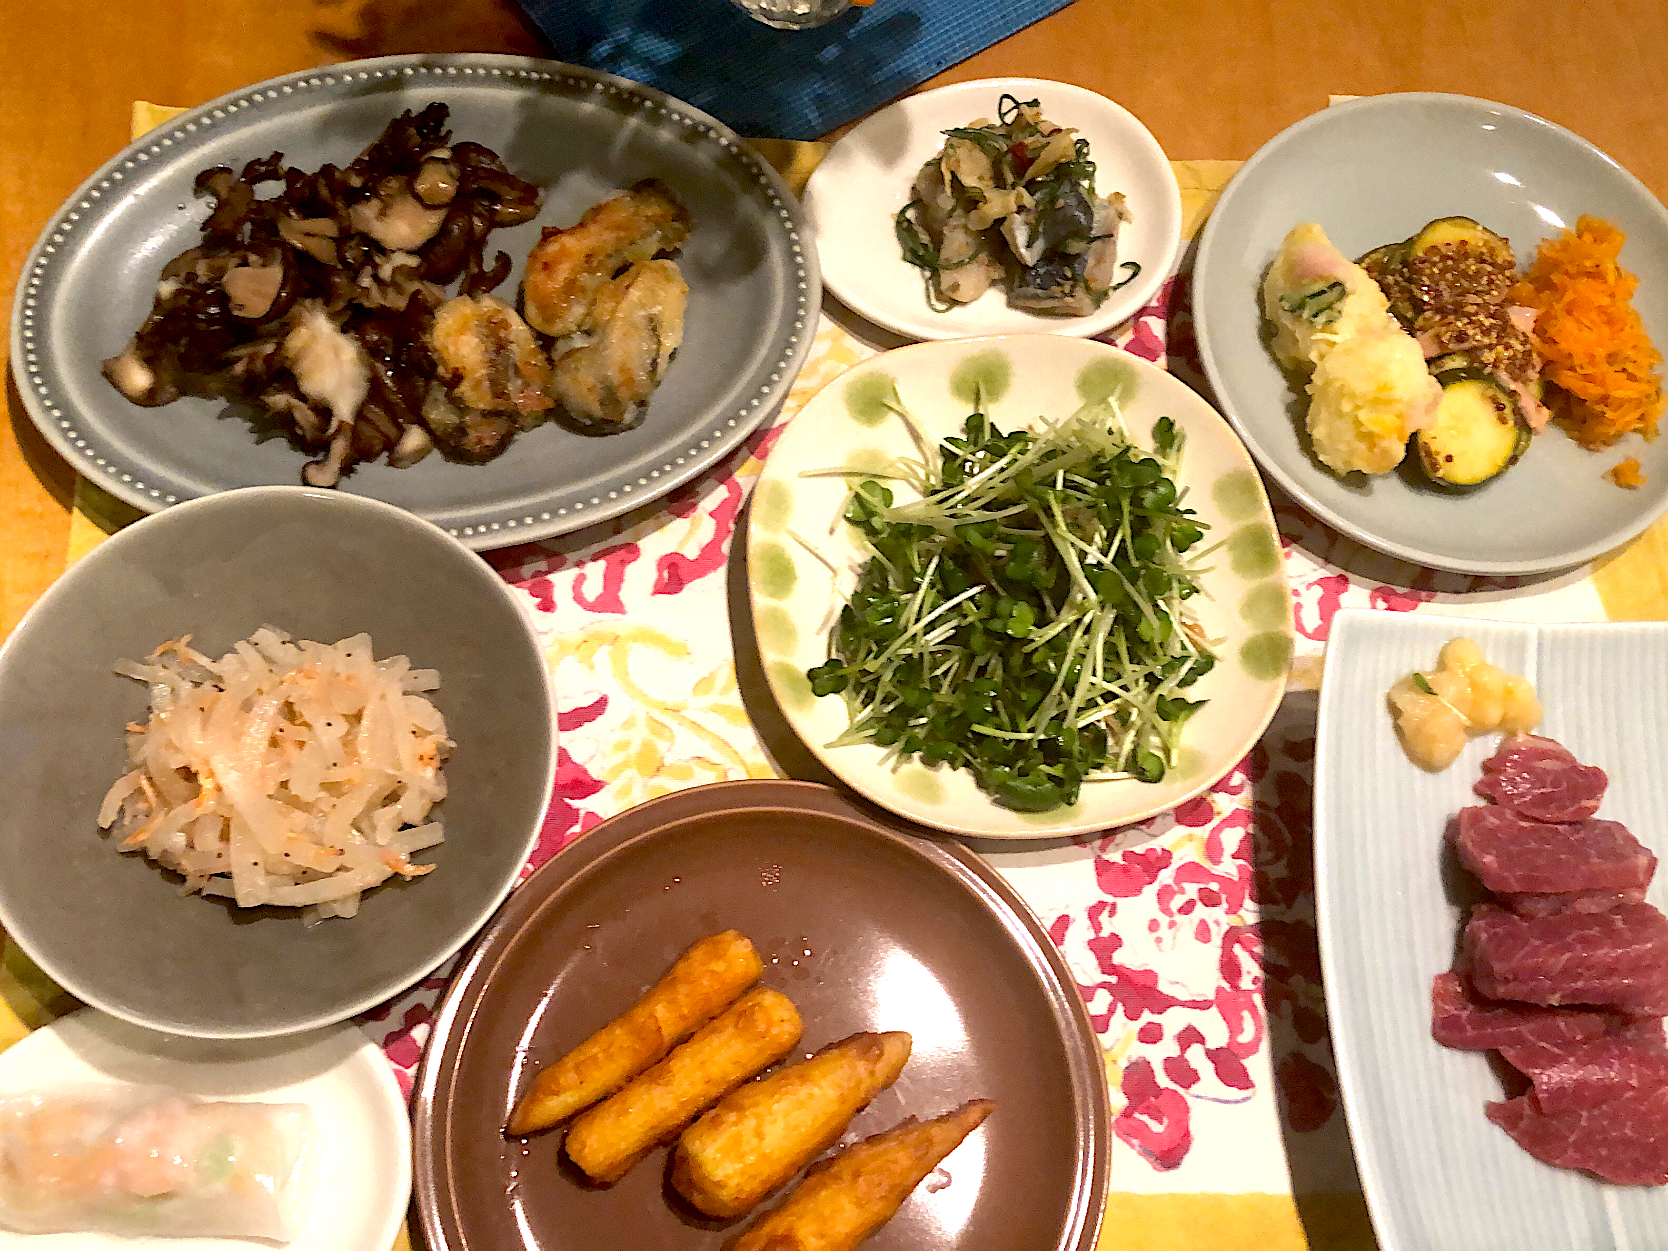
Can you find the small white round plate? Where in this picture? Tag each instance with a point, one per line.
(1245, 607)
(362, 1175)
(869, 175)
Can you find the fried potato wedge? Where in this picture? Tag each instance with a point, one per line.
(705, 980)
(846, 1198)
(762, 1134)
(753, 1033)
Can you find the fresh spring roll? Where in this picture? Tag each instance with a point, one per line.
(762, 1134)
(142, 1160)
(705, 980)
(753, 1033)
(844, 1200)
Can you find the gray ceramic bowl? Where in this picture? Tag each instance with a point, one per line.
(1373, 171)
(114, 929)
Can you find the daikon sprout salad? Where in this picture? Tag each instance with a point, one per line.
(1024, 615)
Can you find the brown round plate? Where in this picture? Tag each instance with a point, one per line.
(864, 926)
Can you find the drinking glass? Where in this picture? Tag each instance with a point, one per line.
(793, 14)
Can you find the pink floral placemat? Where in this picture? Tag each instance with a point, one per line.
(1191, 936)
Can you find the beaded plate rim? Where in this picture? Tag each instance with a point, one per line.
(485, 526)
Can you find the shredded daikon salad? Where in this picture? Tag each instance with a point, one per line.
(285, 773)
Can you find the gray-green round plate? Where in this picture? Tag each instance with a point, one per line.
(1373, 171)
(580, 134)
(114, 929)
(1245, 609)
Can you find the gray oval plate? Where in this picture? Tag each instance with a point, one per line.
(864, 926)
(1373, 171)
(750, 265)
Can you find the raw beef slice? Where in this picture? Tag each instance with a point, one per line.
(1463, 1020)
(1624, 1140)
(1645, 1031)
(1512, 855)
(1541, 780)
(1530, 904)
(1572, 1076)
(1607, 959)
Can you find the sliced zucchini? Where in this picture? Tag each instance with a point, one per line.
(1448, 361)
(1445, 230)
(1386, 256)
(1387, 265)
(1319, 304)
(1478, 434)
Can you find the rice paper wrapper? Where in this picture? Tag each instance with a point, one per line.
(147, 1161)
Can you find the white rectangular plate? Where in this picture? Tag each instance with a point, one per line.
(1437, 1174)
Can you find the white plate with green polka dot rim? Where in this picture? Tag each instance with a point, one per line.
(1245, 606)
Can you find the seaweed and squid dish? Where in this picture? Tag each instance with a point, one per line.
(1011, 203)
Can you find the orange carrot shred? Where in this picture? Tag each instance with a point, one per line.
(1626, 473)
(1591, 341)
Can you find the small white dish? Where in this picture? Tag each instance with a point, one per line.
(362, 1175)
(867, 176)
(1245, 607)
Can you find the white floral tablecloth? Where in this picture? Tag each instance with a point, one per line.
(1191, 936)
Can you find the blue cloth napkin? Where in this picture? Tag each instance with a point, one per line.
(783, 84)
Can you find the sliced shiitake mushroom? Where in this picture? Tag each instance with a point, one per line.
(395, 218)
(367, 247)
(316, 236)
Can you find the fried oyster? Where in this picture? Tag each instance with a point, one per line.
(567, 268)
(634, 326)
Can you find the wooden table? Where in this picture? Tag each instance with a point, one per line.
(1211, 77)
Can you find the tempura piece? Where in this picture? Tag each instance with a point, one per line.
(490, 358)
(845, 1199)
(755, 1032)
(466, 433)
(567, 268)
(1370, 390)
(636, 324)
(1366, 399)
(762, 1134)
(705, 980)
